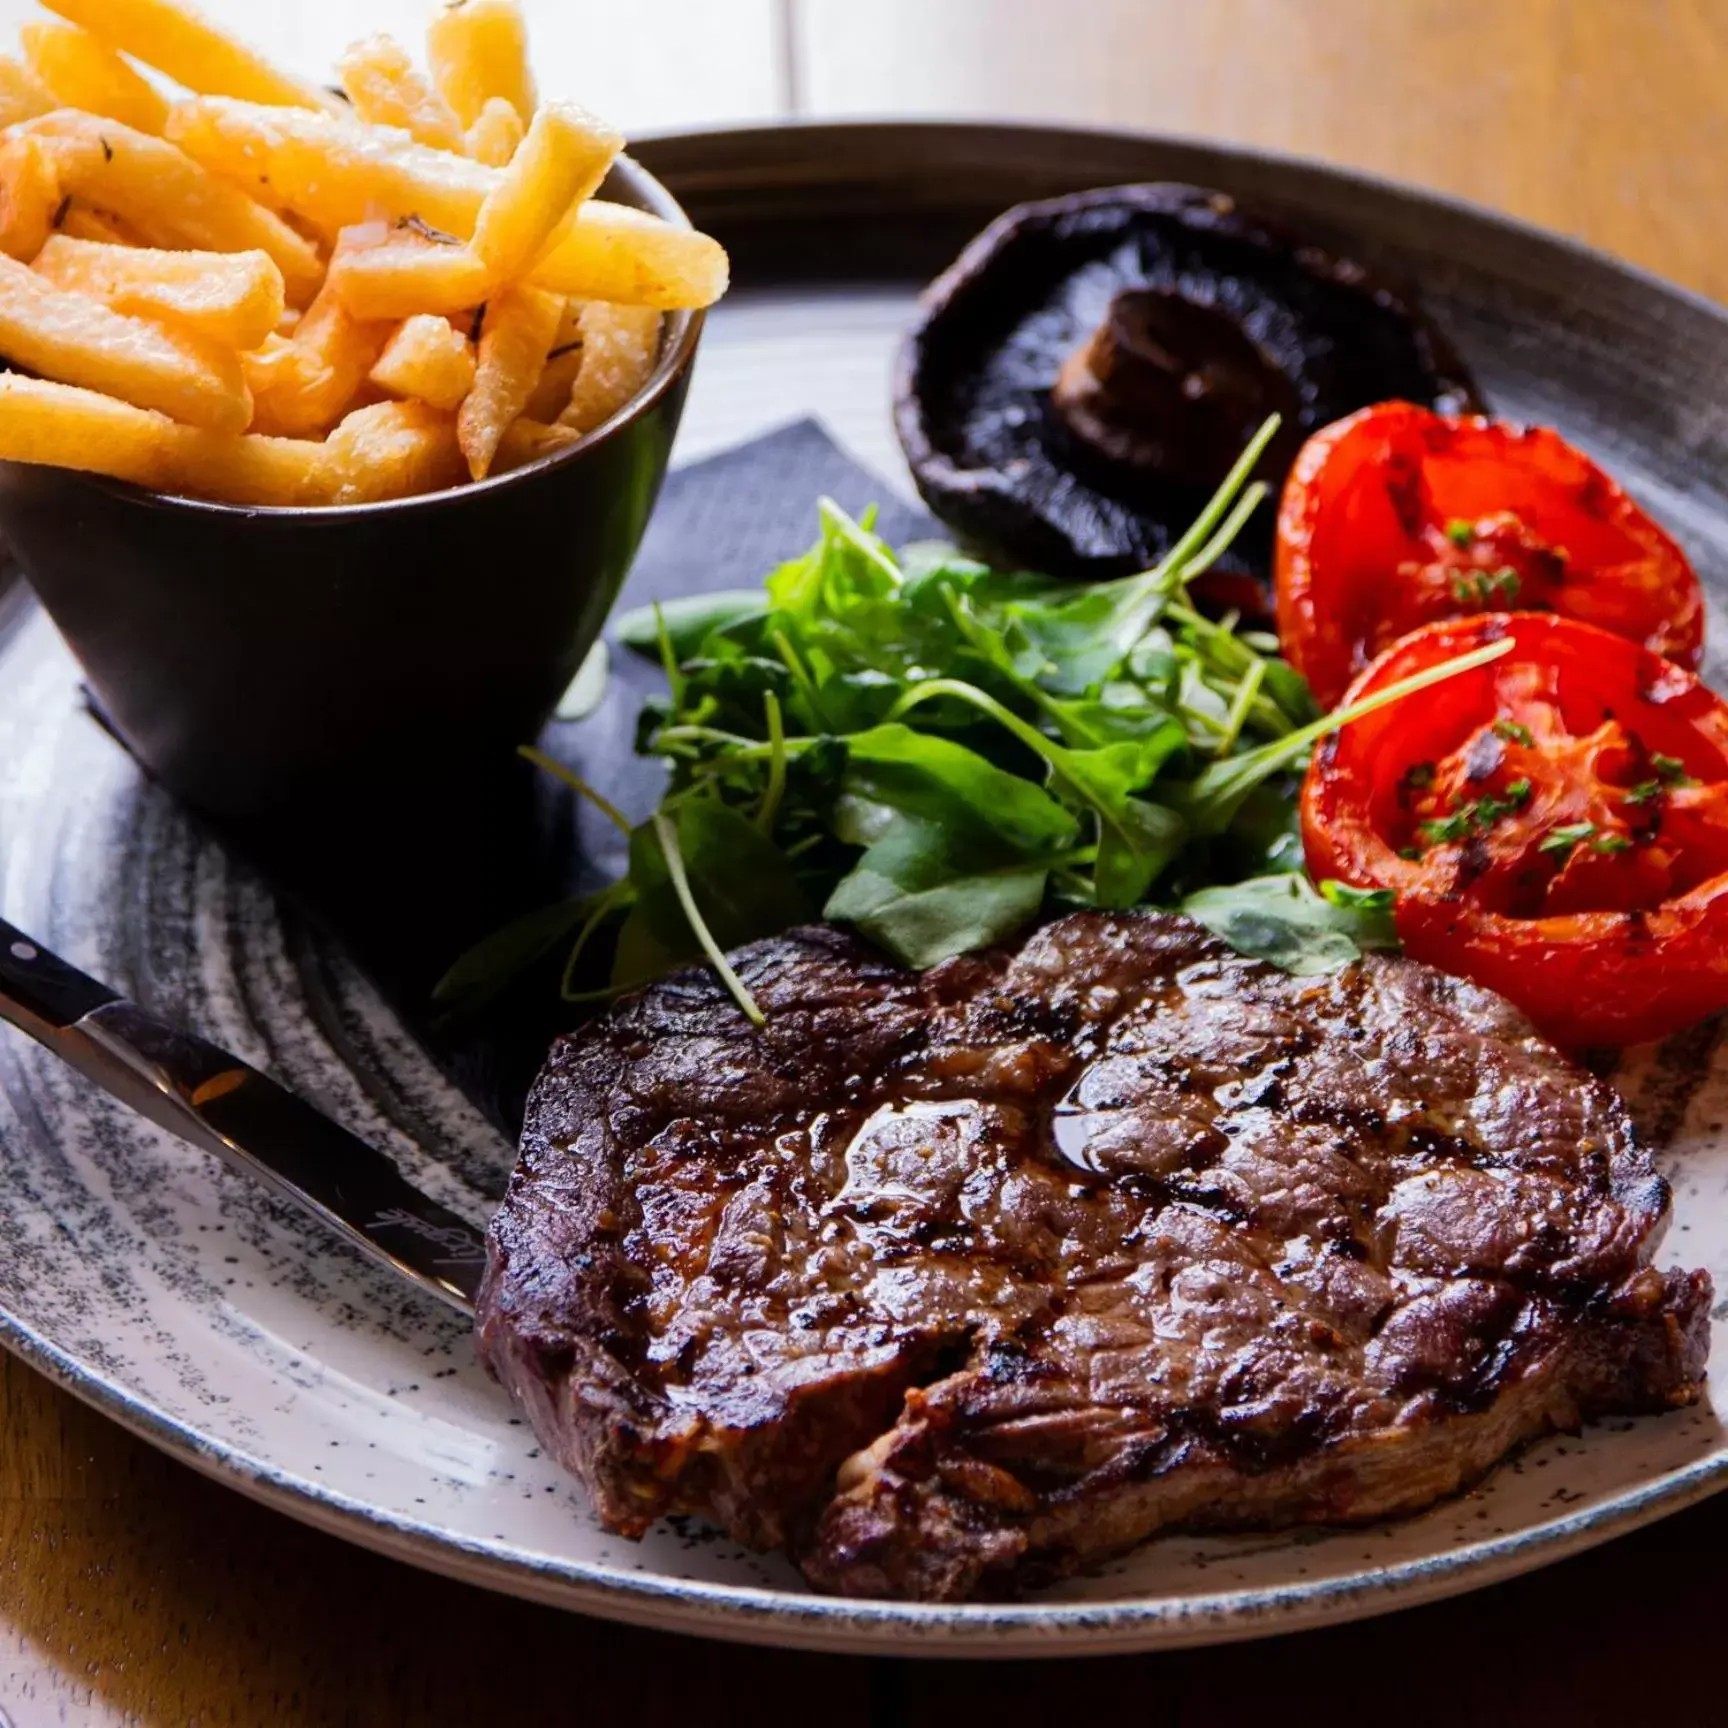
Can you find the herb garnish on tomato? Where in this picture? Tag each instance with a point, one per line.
(1553, 826)
(1396, 517)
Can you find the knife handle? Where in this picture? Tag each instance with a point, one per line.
(38, 990)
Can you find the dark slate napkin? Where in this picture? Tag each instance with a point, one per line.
(410, 900)
(727, 521)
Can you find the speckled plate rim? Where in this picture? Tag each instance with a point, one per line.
(750, 1615)
(755, 1615)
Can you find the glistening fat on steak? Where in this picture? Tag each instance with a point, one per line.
(955, 1281)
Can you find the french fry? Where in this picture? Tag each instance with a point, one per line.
(177, 39)
(82, 222)
(394, 272)
(22, 94)
(333, 173)
(338, 173)
(30, 196)
(250, 469)
(619, 347)
(495, 137)
(630, 258)
(66, 427)
(234, 298)
(76, 340)
(392, 450)
(429, 359)
(84, 72)
(168, 197)
(562, 161)
(518, 331)
(386, 90)
(265, 367)
(563, 361)
(303, 387)
(478, 49)
(527, 439)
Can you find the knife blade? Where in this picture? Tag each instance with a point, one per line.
(209, 1097)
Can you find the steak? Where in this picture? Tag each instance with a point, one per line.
(953, 1282)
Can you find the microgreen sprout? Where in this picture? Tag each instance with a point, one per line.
(1563, 839)
(1492, 590)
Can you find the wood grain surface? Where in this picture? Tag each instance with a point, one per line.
(1602, 118)
(132, 1590)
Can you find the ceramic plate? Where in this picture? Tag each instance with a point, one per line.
(210, 1320)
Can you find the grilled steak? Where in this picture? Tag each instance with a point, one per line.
(953, 1282)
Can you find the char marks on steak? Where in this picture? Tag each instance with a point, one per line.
(952, 1282)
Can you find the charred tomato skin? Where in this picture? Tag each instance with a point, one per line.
(1554, 825)
(987, 444)
(1396, 516)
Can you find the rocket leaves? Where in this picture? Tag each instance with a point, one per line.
(926, 890)
(934, 751)
(1285, 919)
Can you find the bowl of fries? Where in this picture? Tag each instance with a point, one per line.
(333, 420)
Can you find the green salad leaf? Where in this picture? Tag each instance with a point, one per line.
(926, 890)
(686, 621)
(1303, 930)
(935, 751)
(744, 887)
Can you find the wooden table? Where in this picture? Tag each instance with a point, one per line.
(133, 1591)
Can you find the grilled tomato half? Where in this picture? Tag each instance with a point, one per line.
(1398, 516)
(1553, 825)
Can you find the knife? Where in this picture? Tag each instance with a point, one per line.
(211, 1098)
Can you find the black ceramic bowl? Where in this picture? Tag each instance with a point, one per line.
(260, 662)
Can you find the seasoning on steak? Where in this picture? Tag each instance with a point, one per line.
(954, 1282)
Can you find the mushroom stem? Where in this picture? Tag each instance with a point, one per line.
(1169, 386)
